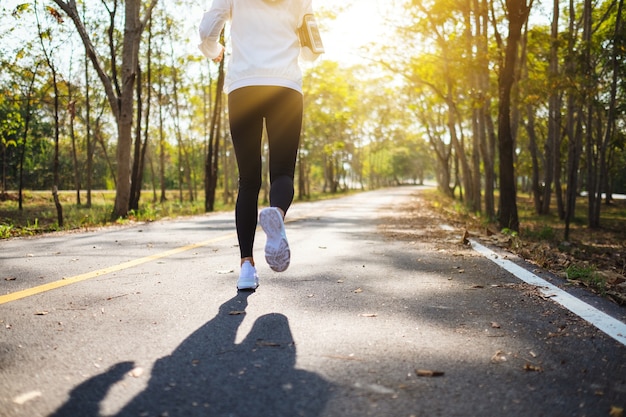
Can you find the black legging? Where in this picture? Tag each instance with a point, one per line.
(281, 108)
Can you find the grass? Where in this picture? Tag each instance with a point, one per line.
(39, 214)
(586, 274)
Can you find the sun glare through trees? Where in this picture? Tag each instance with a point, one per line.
(458, 93)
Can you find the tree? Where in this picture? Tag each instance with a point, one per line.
(120, 93)
(212, 156)
(48, 53)
(517, 12)
(605, 140)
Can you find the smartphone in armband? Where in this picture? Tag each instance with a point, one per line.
(310, 35)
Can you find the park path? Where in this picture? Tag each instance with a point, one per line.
(371, 319)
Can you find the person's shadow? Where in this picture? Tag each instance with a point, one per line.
(210, 375)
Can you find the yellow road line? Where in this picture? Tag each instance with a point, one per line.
(83, 277)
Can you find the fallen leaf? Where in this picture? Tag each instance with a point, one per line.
(358, 291)
(41, 313)
(368, 315)
(136, 372)
(616, 411)
(236, 313)
(532, 368)
(498, 357)
(225, 271)
(10, 279)
(428, 373)
(267, 344)
(24, 398)
(495, 325)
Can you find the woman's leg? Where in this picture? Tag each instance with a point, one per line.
(246, 126)
(284, 124)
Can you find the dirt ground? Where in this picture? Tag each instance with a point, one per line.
(598, 255)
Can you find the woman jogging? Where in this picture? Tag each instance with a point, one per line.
(264, 84)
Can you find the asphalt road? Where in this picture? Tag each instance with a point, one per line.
(145, 320)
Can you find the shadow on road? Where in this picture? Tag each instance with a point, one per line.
(210, 375)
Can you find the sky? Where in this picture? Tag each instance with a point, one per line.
(360, 24)
(357, 25)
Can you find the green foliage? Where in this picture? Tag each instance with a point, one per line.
(584, 273)
(6, 231)
(546, 233)
(381, 123)
(588, 275)
(21, 9)
(509, 232)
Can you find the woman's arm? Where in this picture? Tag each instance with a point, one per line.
(211, 27)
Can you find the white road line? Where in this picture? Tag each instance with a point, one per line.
(609, 325)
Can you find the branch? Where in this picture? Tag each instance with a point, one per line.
(70, 9)
(146, 18)
(111, 32)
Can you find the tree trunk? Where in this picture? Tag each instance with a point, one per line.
(146, 123)
(301, 171)
(534, 151)
(77, 181)
(162, 142)
(478, 128)
(518, 13)
(136, 177)
(183, 160)
(98, 137)
(57, 127)
(88, 142)
(130, 58)
(603, 182)
(27, 119)
(212, 157)
(55, 164)
(554, 115)
(574, 122)
(487, 141)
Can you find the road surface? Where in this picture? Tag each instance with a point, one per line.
(371, 319)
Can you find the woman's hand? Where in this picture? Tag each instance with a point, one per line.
(219, 58)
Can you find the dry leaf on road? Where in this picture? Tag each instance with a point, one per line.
(532, 368)
(236, 313)
(498, 357)
(428, 373)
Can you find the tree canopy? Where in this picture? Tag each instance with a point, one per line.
(488, 99)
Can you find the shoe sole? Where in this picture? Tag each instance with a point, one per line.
(277, 252)
(247, 286)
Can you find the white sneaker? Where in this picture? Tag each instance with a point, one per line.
(277, 253)
(248, 277)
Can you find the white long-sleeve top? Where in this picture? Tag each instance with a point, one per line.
(265, 43)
